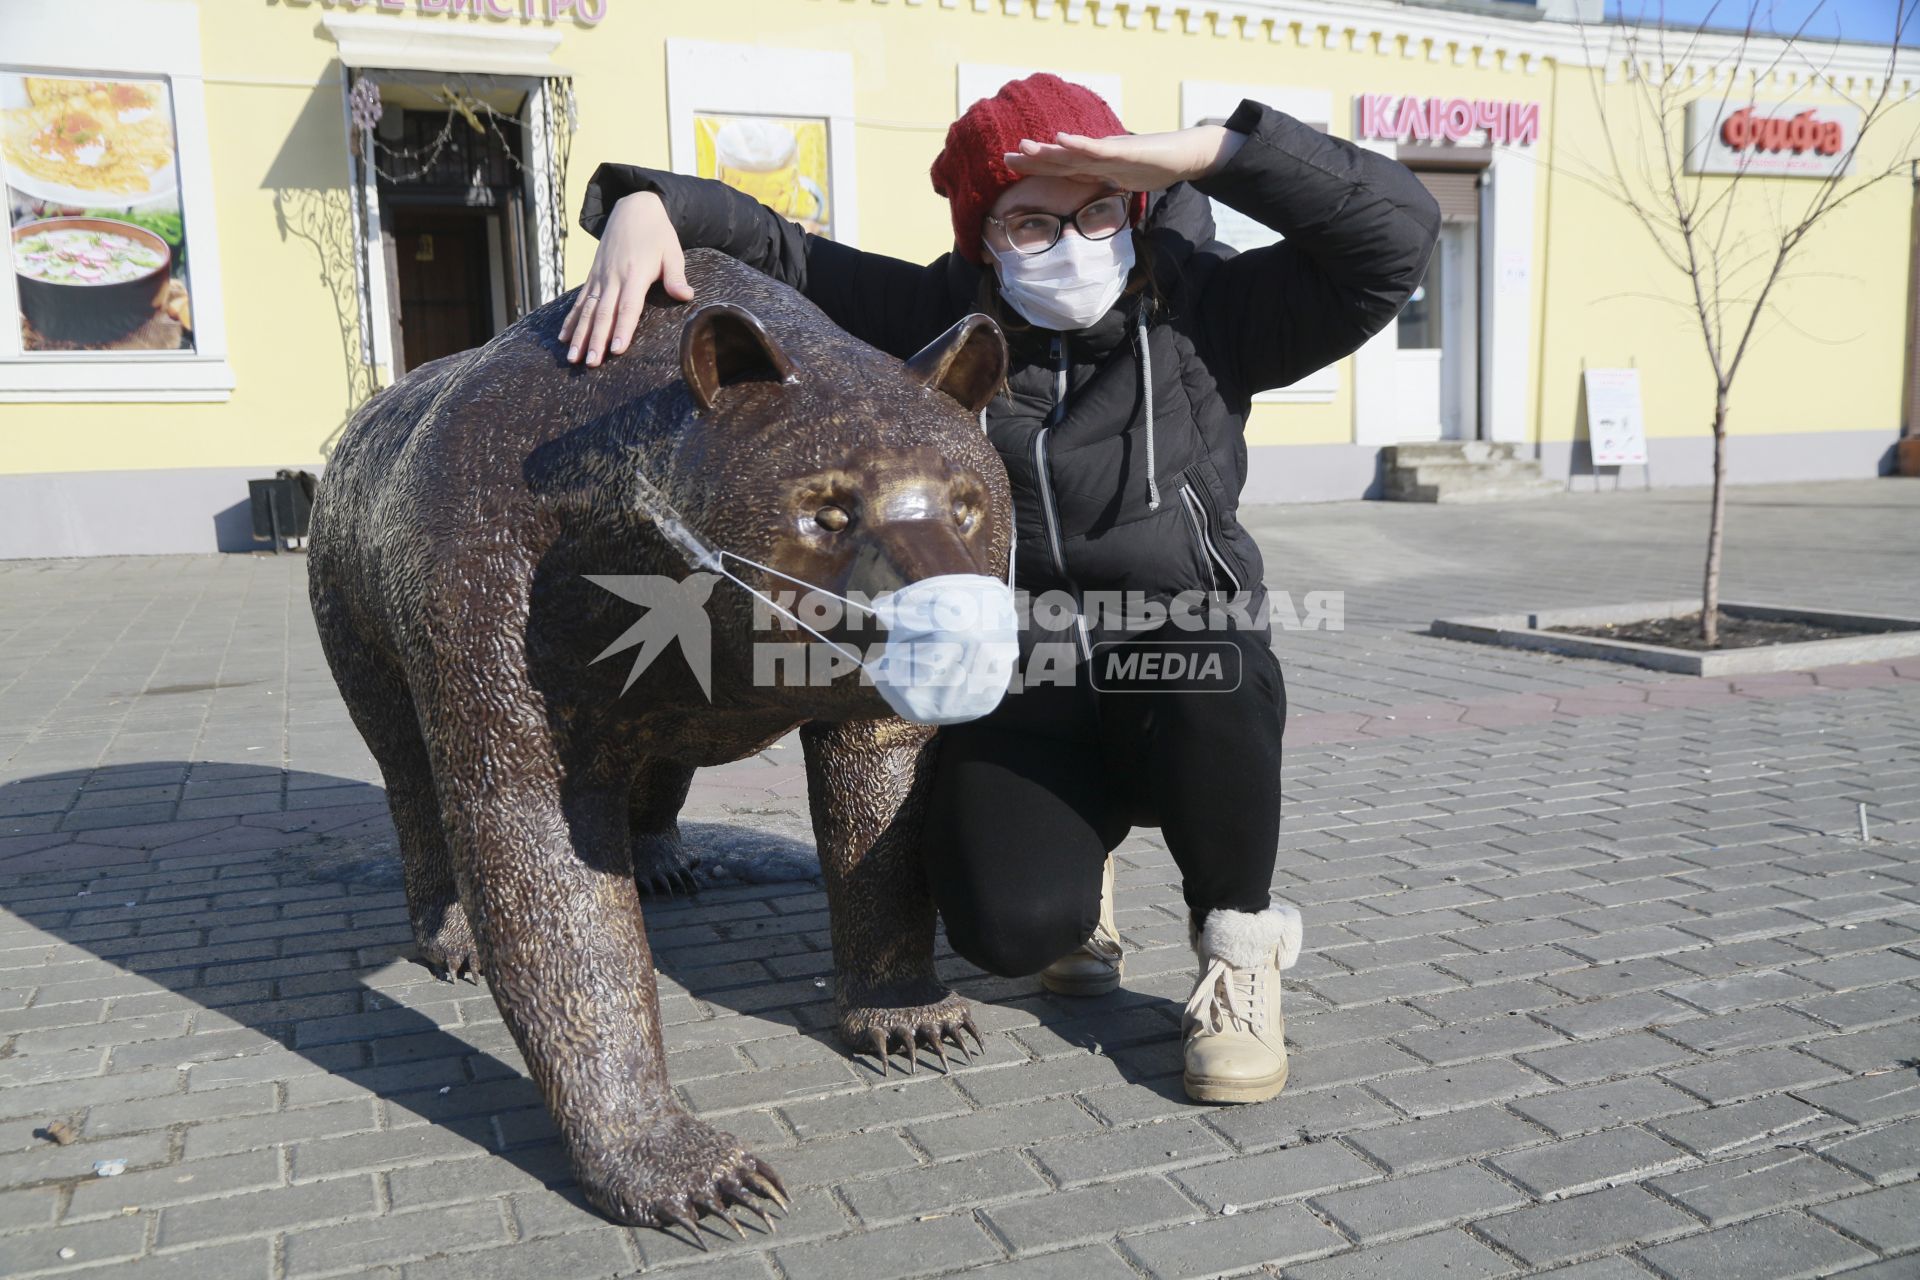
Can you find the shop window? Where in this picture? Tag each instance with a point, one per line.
(112, 283)
(1420, 318)
(784, 162)
(774, 123)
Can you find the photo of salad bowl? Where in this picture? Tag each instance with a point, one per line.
(89, 280)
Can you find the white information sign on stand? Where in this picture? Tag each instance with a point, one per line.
(1616, 433)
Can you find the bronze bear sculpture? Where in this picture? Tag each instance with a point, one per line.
(454, 536)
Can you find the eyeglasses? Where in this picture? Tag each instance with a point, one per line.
(1102, 219)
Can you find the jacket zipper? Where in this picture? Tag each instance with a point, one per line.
(1197, 512)
(1043, 480)
(1210, 510)
(1047, 512)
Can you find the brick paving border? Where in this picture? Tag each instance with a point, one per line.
(1624, 699)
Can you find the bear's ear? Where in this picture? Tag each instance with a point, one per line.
(722, 344)
(968, 362)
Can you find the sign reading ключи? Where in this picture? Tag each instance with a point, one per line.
(1441, 120)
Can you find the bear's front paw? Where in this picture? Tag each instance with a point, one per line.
(446, 944)
(914, 1016)
(676, 1170)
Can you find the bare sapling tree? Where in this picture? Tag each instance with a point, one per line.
(1733, 235)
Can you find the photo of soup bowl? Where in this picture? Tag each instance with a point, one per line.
(89, 280)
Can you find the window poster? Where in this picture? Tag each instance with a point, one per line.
(781, 161)
(96, 240)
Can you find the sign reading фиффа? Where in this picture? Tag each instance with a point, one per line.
(1616, 433)
(1776, 139)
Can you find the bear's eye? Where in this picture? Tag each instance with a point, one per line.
(963, 513)
(832, 519)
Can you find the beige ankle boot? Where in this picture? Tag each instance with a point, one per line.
(1095, 968)
(1235, 1035)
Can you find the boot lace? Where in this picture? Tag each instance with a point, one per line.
(1228, 998)
(1103, 945)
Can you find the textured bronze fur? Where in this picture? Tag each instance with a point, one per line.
(451, 539)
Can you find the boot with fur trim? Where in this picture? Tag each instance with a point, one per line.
(1235, 1036)
(1095, 968)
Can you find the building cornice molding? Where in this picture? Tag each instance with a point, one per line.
(1490, 42)
(371, 40)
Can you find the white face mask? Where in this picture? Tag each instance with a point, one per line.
(952, 640)
(1070, 285)
(952, 644)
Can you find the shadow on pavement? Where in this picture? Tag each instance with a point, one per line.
(232, 929)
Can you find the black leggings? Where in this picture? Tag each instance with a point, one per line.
(1028, 802)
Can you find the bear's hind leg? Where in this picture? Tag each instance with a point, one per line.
(661, 863)
(383, 710)
(440, 927)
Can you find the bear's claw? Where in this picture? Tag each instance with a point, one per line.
(448, 950)
(686, 1172)
(666, 884)
(662, 867)
(877, 1029)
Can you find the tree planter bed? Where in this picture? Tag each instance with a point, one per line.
(1865, 637)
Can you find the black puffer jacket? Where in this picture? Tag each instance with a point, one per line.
(1359, 229)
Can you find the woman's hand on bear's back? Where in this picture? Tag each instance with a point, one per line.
(638, 248)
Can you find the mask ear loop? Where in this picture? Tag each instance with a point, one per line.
(676, 531)
(788, 614)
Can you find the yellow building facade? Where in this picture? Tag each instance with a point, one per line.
(308, 252)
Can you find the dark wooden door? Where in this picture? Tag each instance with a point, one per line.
(446, 297)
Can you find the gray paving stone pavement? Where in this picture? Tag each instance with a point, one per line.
(1601, 980)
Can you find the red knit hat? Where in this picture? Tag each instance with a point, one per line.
(971, 170)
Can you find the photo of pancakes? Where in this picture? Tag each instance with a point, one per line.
(71, 138)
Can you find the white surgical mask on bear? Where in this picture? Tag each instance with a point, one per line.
(952, 640)
(1070, 285)
(952, 644)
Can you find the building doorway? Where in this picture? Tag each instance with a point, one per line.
(452, 190)
(445, 278)
(458, 180)
(1437, 363)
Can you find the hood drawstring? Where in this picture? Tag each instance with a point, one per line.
(1146, 395)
